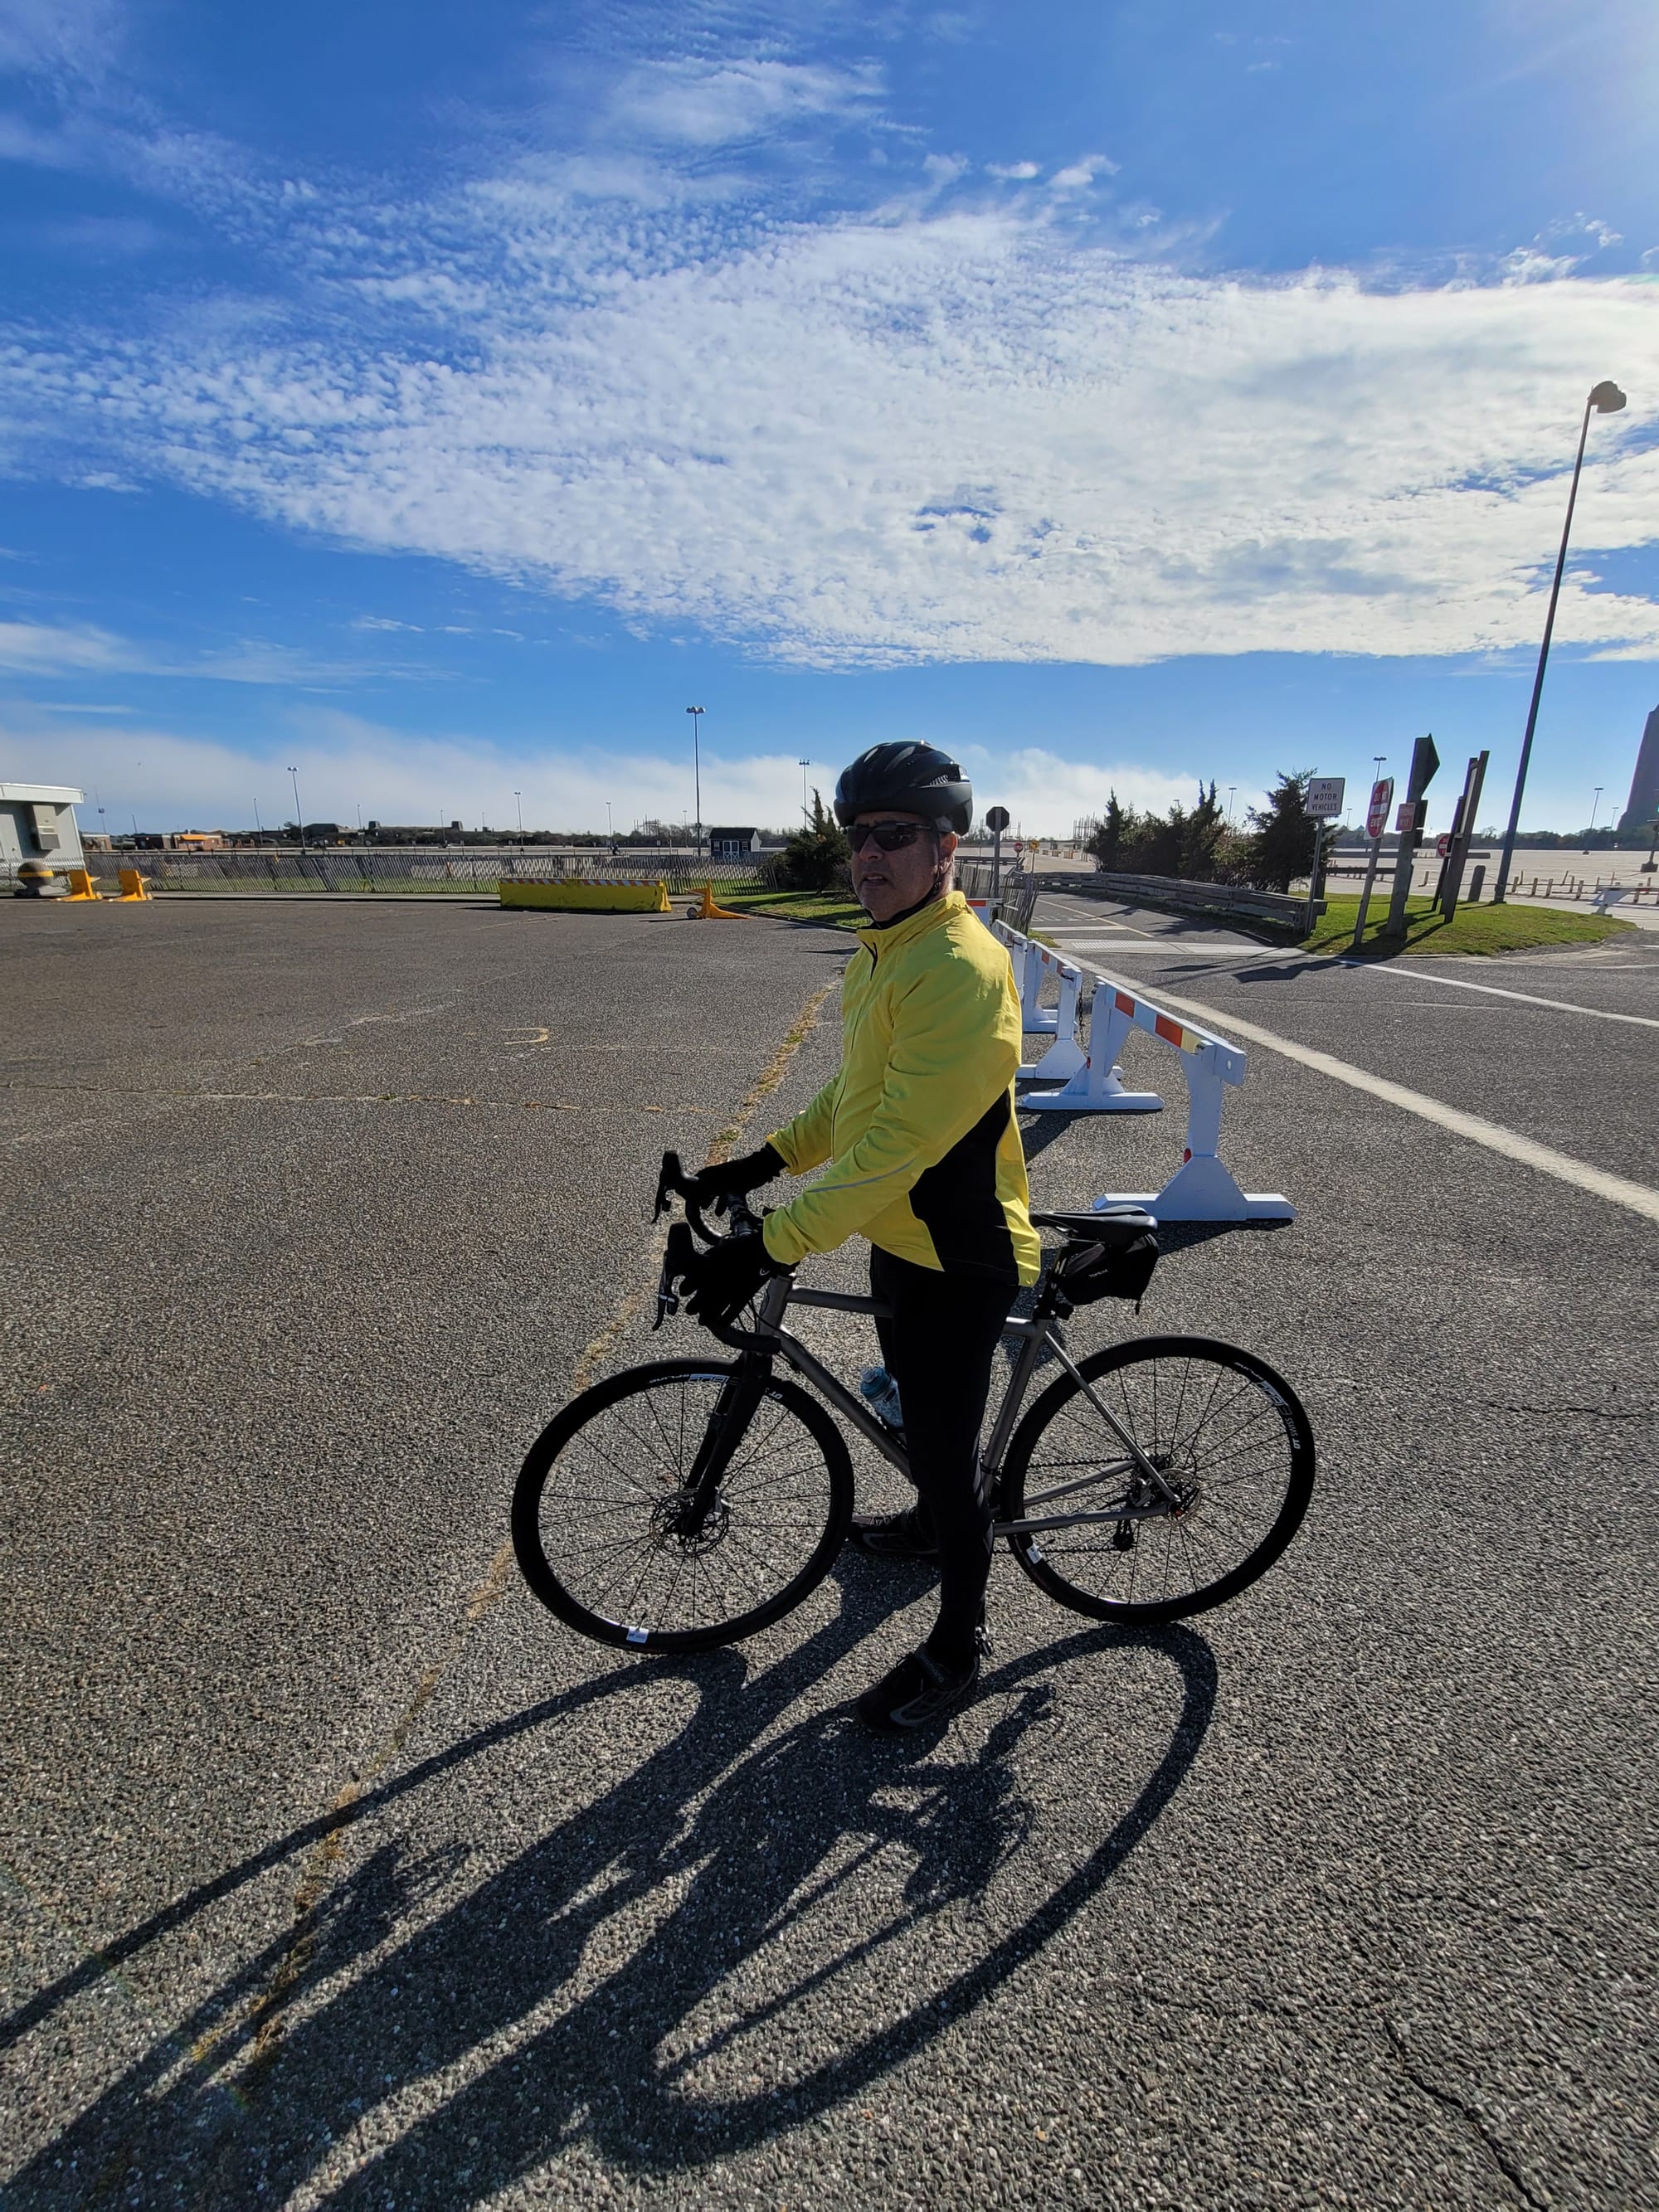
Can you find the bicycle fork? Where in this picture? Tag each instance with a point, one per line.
(699, 1495)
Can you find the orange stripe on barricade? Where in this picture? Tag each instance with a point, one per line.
(1123, 1002)
(1170, 1031)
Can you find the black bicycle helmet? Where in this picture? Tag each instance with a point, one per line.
(916, 779)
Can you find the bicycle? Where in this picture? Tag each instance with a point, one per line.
(685, 1504)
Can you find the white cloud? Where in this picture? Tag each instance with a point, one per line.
(704, 105)
(968, 434)
(346, 762)
(1019, 171)
(43, 648)
(1078, 174)
(57, 649)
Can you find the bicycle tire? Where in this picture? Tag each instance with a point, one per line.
(1089, 1567)
(548, 1545)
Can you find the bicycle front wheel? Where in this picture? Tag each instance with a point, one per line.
(613, 1535)
(1234, 1459)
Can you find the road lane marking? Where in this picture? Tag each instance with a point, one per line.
(1617, 1189)
(1493, 991)
(1206, 948)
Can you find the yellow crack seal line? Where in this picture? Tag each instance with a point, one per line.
(267, 2017)
(351, 1098)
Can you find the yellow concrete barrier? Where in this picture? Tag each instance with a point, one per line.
(80, 884)
(585, 895)
(133, 885)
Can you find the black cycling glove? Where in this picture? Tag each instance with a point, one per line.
(725, 1278)
(736, 1178)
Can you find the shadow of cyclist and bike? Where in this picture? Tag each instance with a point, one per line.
(662, 1979)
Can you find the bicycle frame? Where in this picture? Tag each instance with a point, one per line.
(1036, 1335)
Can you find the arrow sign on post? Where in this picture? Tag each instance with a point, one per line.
(1425, 761)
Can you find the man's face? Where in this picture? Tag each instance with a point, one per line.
(886, 883)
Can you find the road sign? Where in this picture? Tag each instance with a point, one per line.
(997, 820)
(1414, 812)
(1325, 797)
(1443, 845)
(1377, 814)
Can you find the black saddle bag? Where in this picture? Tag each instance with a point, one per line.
(1114, 1259)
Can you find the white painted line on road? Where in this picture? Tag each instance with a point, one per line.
(1206, 947)
(1491, 991)
(1617, 1189)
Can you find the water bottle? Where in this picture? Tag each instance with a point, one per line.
(882, 1392)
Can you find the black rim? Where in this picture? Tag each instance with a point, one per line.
(606, 1528)
(1221, 1428)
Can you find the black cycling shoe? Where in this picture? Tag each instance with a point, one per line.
(904, 1535)
(918, 1693)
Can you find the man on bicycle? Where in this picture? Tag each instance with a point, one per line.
(925, 1161)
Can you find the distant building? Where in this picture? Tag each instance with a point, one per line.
(733, 844)
(1644, 803)
(37, 822)
(197, 840)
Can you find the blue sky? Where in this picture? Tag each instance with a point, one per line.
(439, 401)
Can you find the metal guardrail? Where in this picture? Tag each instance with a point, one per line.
(1176, 896)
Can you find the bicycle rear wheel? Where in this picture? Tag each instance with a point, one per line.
(1224, 1432)
(609, 1532)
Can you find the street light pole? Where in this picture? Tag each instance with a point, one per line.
(1595, 808)
(803, 766)
(696, 713)
(298, 819)
(517, 800)
(1606, 398)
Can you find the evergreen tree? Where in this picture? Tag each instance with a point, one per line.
(815, 854)
(1112, 833)
(1281, 845)
(1202, 838)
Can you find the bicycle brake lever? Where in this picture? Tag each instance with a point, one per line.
(678, 1251)
(671, 1179)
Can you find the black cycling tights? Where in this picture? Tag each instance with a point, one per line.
(939, 1347)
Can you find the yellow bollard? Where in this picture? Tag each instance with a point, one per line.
(709, 912)
(133, 885)
(80, 885)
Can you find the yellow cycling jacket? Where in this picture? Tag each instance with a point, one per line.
(918, 1124)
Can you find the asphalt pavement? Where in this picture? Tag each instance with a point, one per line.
(337, 1872)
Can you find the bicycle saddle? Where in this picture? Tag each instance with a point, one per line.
(1118, 1226)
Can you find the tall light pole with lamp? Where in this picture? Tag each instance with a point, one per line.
(298, 819)
(517, 800)
(1605, 399)
(1595, 808)
(803, 765)
(696, 713)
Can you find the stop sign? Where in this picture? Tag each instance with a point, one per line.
(1443, 845)
(1377, 814)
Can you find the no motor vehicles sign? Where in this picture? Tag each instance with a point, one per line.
(1325, 796)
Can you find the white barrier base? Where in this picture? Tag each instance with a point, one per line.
(1082, 1095)
(1203, 1190)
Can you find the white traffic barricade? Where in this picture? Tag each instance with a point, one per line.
(1029, 961)
(1097, 1085)
(1093, 1082)
(1065, 1057)
(1202, 1188)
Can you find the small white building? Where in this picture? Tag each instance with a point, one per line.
(37, 822)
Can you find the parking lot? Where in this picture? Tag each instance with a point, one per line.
(337, 1872)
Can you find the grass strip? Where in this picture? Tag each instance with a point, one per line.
(826, 907)
(1473, 929)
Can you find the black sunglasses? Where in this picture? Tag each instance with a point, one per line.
(890, 836)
